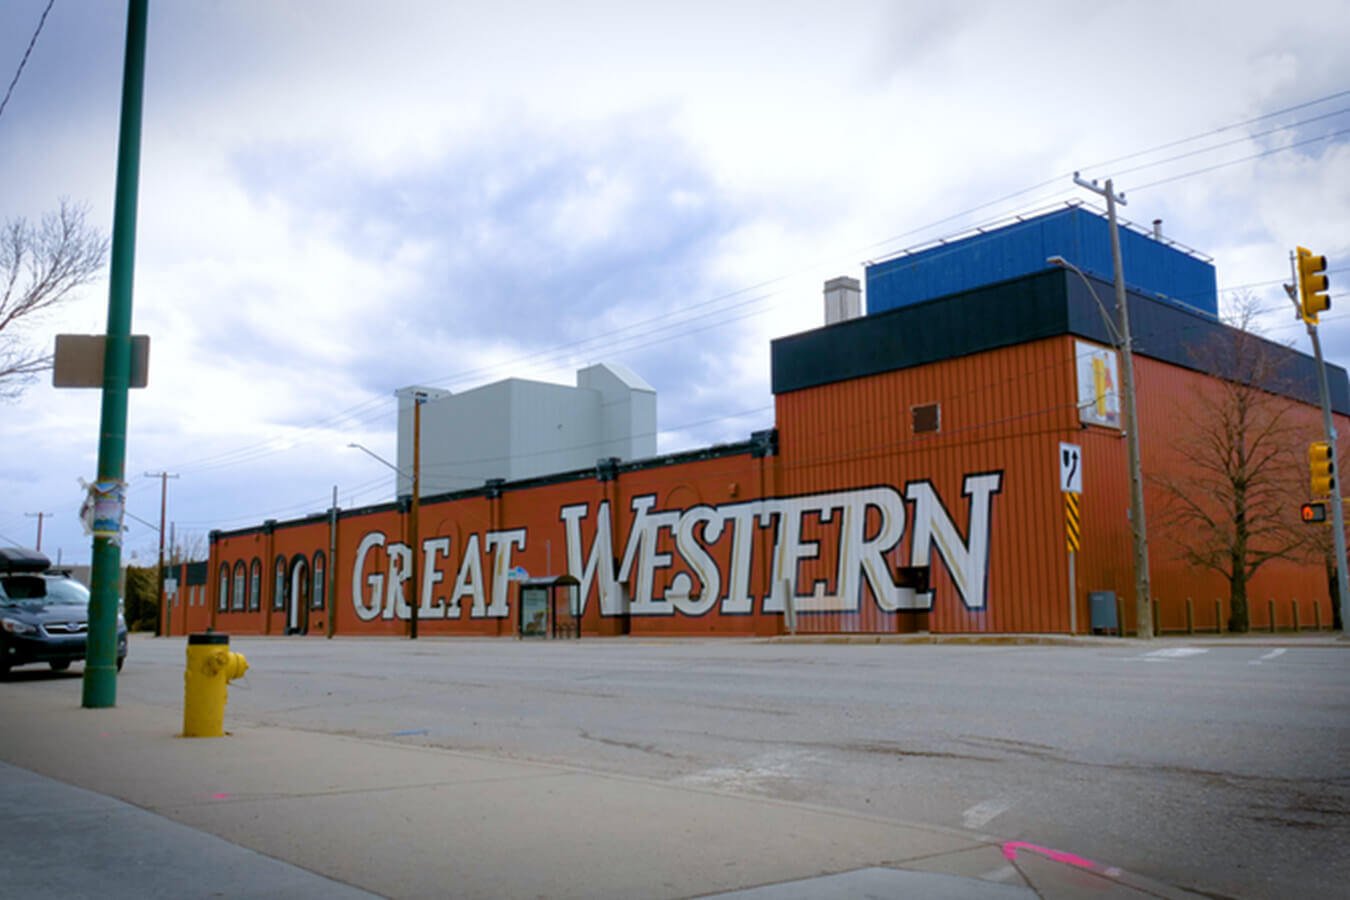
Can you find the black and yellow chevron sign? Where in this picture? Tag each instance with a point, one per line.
(1072, 528)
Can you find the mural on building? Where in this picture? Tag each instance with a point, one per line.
(689, 561)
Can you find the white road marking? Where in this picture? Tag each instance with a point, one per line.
(1271, 655)
(1175, 652)
(982, 814)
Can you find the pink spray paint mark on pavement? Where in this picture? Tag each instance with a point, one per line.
(1011, 847)
(221, 796)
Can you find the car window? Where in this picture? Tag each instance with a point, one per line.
(67, 591)
(22, 587)
(42, 589)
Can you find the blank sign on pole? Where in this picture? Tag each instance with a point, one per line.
(79, 360)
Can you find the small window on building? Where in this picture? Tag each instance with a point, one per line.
(279, 585)
(223, 588)
(240, 587)
(927, 418)
(255, 585)
(317, 594)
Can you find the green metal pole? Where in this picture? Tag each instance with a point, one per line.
(100, 668)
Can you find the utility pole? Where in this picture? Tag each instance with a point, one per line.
(419, 398)
(182, 589)
(330, 577)
(1142, 607)
(39, 516)
(100, 668)
(163, 497)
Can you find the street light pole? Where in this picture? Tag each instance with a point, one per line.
(1143, 606)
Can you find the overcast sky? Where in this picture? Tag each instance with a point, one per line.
(338, 199)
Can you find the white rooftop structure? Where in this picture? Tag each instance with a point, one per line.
(516, 429)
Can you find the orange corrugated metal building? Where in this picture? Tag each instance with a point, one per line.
(913, 482)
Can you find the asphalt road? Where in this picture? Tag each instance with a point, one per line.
(1221, 769)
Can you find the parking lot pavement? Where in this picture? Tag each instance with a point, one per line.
(272, 811)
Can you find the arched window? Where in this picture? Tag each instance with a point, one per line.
(240, 583)
(320, 585)
(223, 588)
(279, 584)
(255, 585)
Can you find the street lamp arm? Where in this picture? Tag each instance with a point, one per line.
(379, 459)
(1111, 329)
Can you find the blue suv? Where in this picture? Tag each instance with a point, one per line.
(44, 614)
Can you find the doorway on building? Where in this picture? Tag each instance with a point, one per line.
(297, 598)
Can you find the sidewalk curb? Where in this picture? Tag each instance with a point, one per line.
(1317, 639)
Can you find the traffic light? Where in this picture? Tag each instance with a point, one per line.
(1322, 468)
(1312, 285)
(1314, 512)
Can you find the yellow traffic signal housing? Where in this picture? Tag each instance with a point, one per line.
(1322, 468)
(1312, 285)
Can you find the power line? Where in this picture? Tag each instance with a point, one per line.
(1234, 162)
(1222, 128)
(369, 409)
(23, 62)
(1119, 159)
(1241, 140)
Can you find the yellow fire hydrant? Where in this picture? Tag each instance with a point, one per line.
(210, 666)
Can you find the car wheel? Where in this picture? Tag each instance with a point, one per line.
(59, 665)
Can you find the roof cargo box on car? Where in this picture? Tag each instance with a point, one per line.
(17, 559)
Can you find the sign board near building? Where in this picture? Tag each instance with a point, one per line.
(1098, 385)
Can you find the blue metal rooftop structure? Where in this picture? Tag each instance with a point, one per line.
(1154, 267)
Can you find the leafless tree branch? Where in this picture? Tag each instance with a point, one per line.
(41, 264)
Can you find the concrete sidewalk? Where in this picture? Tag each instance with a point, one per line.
(129, 809)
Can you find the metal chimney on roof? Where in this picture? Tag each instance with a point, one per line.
(843, 299)
(1157, 229)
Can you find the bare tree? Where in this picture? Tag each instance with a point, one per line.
(188, 546)
(40, 265)
(1233, 505)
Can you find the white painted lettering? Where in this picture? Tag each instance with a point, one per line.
(967, 561)
(469, 581)
(500, 544)
(367, 605)
(400, 570)
(433, 607)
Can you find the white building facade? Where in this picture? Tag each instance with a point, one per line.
(515, 429)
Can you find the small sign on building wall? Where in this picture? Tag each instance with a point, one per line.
(1098, 385)
(1071, 468)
